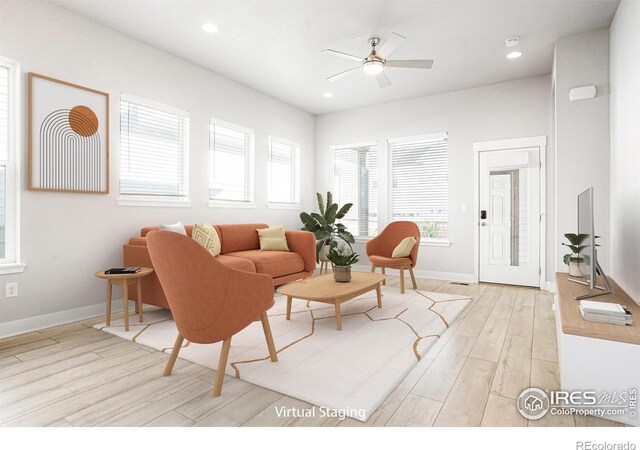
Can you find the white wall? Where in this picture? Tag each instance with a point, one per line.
(66, 237)
(501, 111)
(625, 147)
(582, 136)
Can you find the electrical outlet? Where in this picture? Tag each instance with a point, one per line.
(11, 289)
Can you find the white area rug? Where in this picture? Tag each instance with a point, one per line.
(351, 371)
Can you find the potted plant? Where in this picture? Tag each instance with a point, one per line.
(342, 260)
(325, 228)
(574, 258)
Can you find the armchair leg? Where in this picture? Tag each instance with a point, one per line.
(413, 278)
(174, 355)
(373, 268)
(384, 282)
(269, 337)
(402, 281)
(222, 364)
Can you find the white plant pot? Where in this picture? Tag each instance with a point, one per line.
(324, 251)
(574, 269)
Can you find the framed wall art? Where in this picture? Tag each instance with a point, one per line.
(68, 137)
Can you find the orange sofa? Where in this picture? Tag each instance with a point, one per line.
(240, 250)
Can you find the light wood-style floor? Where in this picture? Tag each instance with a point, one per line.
(75, 375)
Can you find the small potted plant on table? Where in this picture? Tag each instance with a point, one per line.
(574, 258)
(342, 260)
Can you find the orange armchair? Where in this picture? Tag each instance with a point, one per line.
(380, 249)
(210, 301)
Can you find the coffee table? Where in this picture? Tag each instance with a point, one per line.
(325, 289)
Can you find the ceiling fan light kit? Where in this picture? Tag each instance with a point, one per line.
(373, 67)
(376, 61)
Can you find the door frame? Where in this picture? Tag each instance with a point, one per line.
(510, 144)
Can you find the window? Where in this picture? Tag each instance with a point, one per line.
(419, 183)
(154, 152)
(9, 167)
(284, 173)
(355, 180)
(231, 156)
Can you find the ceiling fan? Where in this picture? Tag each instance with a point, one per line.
(376, 61)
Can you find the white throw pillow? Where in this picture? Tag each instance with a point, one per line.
(176, 228)
(403, 249)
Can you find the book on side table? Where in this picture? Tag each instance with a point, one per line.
(122, 270)
(613, 313)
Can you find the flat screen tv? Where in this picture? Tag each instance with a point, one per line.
(588, 264)
(586, 227)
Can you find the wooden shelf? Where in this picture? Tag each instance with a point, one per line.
(573, 323)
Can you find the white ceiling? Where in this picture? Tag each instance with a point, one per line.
(274, 46)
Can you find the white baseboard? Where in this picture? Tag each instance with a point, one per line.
(550, 286)
(433, 275)
(36, 323)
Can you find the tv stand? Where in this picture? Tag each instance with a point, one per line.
(597, 356)
(604, 290)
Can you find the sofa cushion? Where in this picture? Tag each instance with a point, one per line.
(274, 263)
(237, 263)
(238, 237)
(207, 236)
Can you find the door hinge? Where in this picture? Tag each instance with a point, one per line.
(539, 270)
(540, 164)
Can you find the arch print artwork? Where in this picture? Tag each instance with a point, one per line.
(68, 137)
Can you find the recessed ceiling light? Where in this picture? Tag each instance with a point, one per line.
(327, 94)
(514, 55)
(209, 28)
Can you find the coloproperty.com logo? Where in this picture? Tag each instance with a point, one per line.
(534, 403)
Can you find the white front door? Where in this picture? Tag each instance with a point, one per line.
(509, 205)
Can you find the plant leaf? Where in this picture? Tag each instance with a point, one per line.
(321, 220)
(310, 224)
(347, 237)
(322, 235)
(320, 202)
(329, 199)
(344, 210)
(330, 216)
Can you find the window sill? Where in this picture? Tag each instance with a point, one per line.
(124, 201)
(225, 204)
(435, 243)
(8, 268)
(423, 242)
(284, 206)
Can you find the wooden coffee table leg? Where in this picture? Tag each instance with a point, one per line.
(378, 291)
(338, 316)
(384, 282)
(139, 302)
(125, 303)
(289, 299)
(109, 290)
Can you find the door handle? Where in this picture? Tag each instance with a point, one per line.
(483, 214)
(484, 224)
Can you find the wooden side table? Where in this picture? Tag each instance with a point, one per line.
(123, 280)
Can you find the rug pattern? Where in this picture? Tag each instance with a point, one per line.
(352, 370)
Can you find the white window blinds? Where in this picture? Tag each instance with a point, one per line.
(154, 150)
(355, 180)
(284, 172)
(419, 183)
(231, 160)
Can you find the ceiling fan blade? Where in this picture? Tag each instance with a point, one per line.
(342, 54)
(390, 45)
(383, 80)
(410, 63)
(341, 74)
